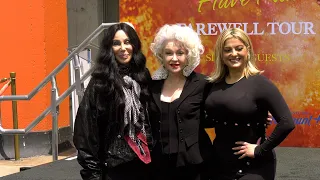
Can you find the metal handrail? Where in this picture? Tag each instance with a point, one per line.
(60, 66)
(55, 100)
(47, 111)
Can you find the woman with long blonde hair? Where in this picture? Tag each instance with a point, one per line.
(222, 69)
(238, 103)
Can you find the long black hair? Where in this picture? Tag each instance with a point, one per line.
(108, 81)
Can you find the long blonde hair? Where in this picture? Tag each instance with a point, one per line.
(221, 70)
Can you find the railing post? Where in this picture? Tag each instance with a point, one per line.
(15, 116)
(1, 91)
(1, 81)
(54, 119)
(79, 85)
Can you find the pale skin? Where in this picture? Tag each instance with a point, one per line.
(174, 57)
(122, 47)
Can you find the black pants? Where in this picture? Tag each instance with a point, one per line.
(133, 170)
(263, 168)
(164, 168)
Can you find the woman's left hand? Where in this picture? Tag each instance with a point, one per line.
(244, 148)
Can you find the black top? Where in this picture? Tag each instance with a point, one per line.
(169, 128)
(191, 139)
(240, 110)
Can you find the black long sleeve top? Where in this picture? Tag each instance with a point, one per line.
(239, 111)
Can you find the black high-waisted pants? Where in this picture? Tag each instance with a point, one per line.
(263, 168)
(133, 170)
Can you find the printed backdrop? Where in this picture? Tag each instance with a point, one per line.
(285, 35)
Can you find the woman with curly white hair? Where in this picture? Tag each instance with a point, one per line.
(176, 111)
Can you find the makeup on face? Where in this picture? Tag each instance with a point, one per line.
(122, 47)
(174, 56)
(235, 53)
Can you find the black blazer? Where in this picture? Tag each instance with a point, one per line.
(194, 142)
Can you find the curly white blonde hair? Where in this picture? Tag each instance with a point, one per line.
(188, 38)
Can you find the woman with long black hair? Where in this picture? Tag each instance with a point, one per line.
(112, 130)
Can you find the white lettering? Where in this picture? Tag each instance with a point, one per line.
(308, 26)
(212, 29)
(245, 29)
(281, 28)
(272, 26)
(200, 28)
(221, 29)
(255, 28)
(294, 28)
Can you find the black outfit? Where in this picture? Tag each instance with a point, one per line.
(169, 141)
(178, 130)
(239, 112)
(102, 150)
